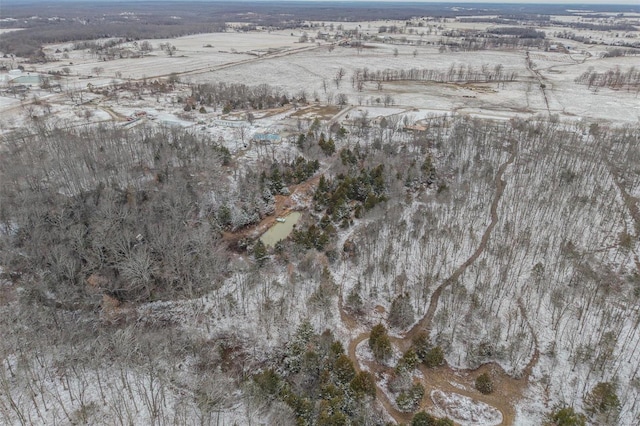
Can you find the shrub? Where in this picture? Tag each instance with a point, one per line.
(484, 383)
(426, 419)
(408, 361)
(566, 416)
(434, 357)
(410, 400)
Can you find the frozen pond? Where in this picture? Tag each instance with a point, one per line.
(280, 230)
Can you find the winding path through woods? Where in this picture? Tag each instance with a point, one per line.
(508, 389)
(630, 202)
(424, 325)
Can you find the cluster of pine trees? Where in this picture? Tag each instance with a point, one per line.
(351, 194)
(318, 382)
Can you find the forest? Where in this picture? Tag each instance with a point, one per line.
(116, 240)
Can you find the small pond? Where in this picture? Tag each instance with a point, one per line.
(280, 230)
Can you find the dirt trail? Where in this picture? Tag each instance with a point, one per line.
(377, 369)
(526, 372)
(508, 389)
(114, 115)
(629, 201)
(424, 325)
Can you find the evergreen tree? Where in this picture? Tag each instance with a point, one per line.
(354, 301)
(269, 383)
(434, 357)
(276, 180)
(408, 362)
(260, 252)
(379, 342)
(428, 171)
(300, 141)
(363, 384)
(401, 314)
(343, 369)
(602, 401)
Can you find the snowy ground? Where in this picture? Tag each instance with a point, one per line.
(464, 410)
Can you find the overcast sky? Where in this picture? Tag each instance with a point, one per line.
(600, 2)
(578, 3)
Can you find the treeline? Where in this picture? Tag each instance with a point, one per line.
(28, 43)
(613, 78)
(473, 43)
(616, 53)
(520, 32)
(230, 96)
(597, 27)
(97, 46)
(570, 35)
(461, 73)
(512, 19)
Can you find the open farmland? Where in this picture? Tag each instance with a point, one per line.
(298, 219)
